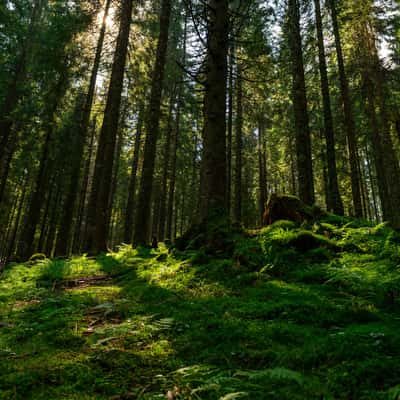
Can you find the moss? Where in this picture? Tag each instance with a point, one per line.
(280, 312)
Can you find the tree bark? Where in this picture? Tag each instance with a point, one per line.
(262, 168)
(299, 97)
(79, 228)
(348, 116)
(53, 224)
(165, 170)
(213, 190)
(172, 178)
(12, 242)
(230, 131)
(130, 204)
(238, 146)
(334, 202)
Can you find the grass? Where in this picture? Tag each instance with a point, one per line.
(308, 312)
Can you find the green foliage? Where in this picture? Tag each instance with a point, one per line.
(271, 320)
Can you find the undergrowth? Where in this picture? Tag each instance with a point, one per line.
(288, 312)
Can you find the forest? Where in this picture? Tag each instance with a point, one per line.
(200, 199)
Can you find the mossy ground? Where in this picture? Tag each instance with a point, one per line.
(275, 320)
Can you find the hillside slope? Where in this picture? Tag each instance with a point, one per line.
(288, 312)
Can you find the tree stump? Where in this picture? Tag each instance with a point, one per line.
(290, 208)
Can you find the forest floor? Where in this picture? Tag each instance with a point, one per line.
(293, 313)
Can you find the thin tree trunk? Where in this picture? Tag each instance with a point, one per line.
(302, 129)
(397, 127)
(155, 215)
(114, 180)
(371, 179)
(130, 204)
(230, 130)
(142, 225)
(45, 225)
(6, 232)
(292, 167)
(348, 116)
(334, 202)
(176, 215)
(172, 179)
(183, 208)
(238, 147)
(194, 179)
(13, 237)
(165, 170)
(5, 169)
(364, 197)
(79, 229)
(53, 224)
(262, 169)
(174, 151)
(322, 156)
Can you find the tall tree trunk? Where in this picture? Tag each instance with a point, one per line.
(45, 225)
(5, 168)
(183, 208)
(348, 116)
(130, 204)
(114, 180)
(142, 225)
(262, 168)
(364, 193)
(292, 167)
(213, 187)
(301, 120)
(12, 241)
(194, 180)
(174, 151)
(172, 178)
(334, 202)
(230, 130)
(155, 215)
(165, 170)
(53, 224)
(98, 212)
(371, 179)
(78, 234)
(6, 231)
(397, 127)
(325, 178)
(238, 146)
